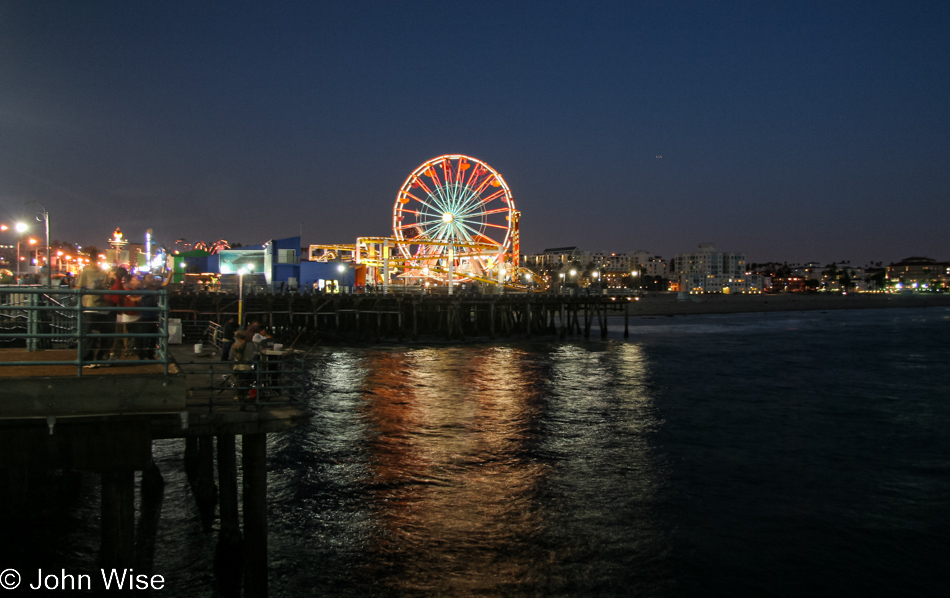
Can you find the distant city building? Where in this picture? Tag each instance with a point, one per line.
(617, 269)
(710, 271)
(919, 273)
(553, 259)
(647, 264)
(614, 267)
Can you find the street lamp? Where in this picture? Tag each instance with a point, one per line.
(36, 261)
(20, 229)
(42, 216)
(241, 271)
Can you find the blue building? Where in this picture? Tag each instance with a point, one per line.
(327, 276)
(278, 260)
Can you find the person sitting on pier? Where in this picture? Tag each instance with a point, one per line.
(242, 369)
(262, 339)
(252, 329)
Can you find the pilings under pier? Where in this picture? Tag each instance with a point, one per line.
(51, 434)
(373, 317)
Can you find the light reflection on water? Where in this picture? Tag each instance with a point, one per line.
(721, 455)
(450, 482)
(506, 469)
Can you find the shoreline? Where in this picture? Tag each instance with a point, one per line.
(667, 304)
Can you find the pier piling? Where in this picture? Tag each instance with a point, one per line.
(117, 548)
(254, 463)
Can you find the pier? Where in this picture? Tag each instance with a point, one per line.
(57, 415)
(375, 317)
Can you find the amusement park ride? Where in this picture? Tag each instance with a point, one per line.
(454, 222)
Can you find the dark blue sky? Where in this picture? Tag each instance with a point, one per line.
(789, 131)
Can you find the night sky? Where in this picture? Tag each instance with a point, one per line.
(790, 131)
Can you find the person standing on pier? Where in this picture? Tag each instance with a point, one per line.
(116, 284)
(147, 322)
(128, 320)
(227, 337)
(94, 321)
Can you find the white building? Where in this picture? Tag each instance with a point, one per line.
(710, 271)
(648, 264)
(615, 267)
(553, 259)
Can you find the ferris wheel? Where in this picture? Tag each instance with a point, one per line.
(455, 209)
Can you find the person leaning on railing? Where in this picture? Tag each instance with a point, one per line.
(94, 321)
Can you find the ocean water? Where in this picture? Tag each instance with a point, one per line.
(781, 454)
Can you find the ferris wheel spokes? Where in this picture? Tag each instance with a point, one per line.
(456, 211)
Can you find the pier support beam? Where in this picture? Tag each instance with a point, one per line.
(228, 556)
(626, 320)
(191, 459)
(491, 320)
(227, 479)
(117, 548)
(152, 495)
(564, 322)
(254, 462)
(206, 493)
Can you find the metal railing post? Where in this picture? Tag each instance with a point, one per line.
(31, 324)
(80, 335)
(163, 329)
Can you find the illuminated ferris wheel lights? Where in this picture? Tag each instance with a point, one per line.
(450, 215)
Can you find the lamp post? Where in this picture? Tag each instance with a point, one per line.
(42, 216)
(20, 229)
(148, 251)
(36, 260)
(241, 271)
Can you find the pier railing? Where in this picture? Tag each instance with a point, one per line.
(43, 318)
(268, 380)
